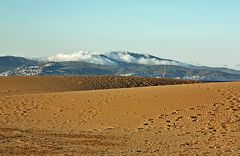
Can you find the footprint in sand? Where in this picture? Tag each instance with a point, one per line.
(178, 118)
(194, 118)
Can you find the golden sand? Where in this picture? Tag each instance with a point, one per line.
(187, 119)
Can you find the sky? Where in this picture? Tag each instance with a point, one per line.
(204, 32)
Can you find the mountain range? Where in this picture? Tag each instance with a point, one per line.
(121, 63)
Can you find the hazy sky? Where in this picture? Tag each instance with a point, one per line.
(192, 31)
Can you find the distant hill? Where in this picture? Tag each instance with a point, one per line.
(114, 63)
(10, 62)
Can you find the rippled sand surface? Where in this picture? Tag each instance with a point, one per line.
(52, 117)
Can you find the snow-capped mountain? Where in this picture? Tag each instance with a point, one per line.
(120, 63)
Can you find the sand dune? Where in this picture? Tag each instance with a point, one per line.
(183, 119)
(47, 84)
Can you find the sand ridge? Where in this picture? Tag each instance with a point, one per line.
(47, 84)
(186, 119)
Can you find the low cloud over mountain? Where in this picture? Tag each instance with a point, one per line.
(114, 57)
(81, 56)
(113, 63)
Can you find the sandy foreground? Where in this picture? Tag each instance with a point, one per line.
(185, 119)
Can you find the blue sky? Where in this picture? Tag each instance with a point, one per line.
(192, 31)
